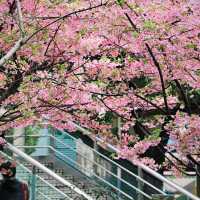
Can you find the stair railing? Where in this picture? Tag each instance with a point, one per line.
(78, 166)
(94, 163)
(144, 167)
(37, 164)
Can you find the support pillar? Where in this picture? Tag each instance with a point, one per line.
(33, 184)
(198, 181)
(95, 167)
(140, 184)
(119, 181)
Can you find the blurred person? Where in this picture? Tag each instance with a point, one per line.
(10, 187)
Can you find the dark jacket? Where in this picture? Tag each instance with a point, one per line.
(13, 190)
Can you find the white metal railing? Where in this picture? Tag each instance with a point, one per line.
(37, 164)
(114, 163)
(97, 176)
(143, 167)
(138, 190)
(111, 161)
(111, 173)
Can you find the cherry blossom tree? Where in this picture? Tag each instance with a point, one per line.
(77, 61)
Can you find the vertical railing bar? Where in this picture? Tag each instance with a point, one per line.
(33, 184)
(140, 185)
(119, 173)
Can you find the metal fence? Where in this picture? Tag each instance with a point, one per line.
(121, 182)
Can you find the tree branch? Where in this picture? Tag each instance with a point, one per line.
(20, 19)
(62, 18)
(53, 37)
(20, 42)
(24, 40)
(11, 52)
(156, 63)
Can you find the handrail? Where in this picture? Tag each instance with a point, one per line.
(111, 173)
(168, 182)
(48, 171)
(105, 181)
(147, 169)
(92, 172)
(116, 164)
(102, 167)
(108, 159)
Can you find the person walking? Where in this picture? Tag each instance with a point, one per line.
(10, 187)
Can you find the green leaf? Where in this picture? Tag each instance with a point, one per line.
(149, 24)
(135, 34)
(155, 134)
(191, 46)
(83, 32)
(113, 155)
(120, 2)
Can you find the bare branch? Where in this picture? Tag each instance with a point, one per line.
(19, 43)
(51, 40)
(156, 63)
(11, 52)
(131, 22)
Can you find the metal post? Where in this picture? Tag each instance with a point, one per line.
(198, 181)
(53, 144)
(33, 184)
(140, 184)
(95, 158)
(119, 173)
